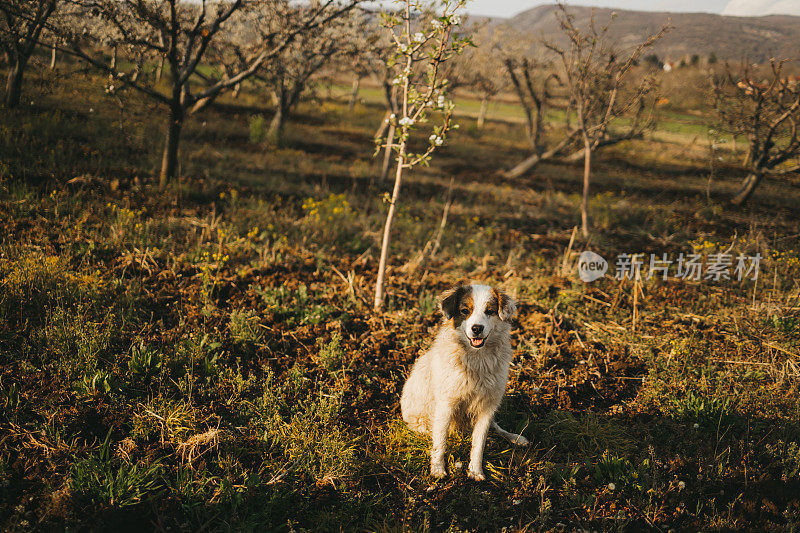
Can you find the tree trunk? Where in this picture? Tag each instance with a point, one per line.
(387, 230)
(160, 69)
(275, 131)
(53, 57)
(578, 155)
(236, 90)
(354, 93)
(137, 71)
(387, 154)
(748, 186)
(383, 127)
(169, 163)
(14, 83)
(113, 63)
(523, 101)
(528, 163)
(482, 113)
(587, 167)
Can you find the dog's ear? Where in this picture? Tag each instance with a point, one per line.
(506, 306)
(450, 301)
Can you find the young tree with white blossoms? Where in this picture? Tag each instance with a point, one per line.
(419, 52)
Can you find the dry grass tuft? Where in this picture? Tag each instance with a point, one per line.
(198, 445)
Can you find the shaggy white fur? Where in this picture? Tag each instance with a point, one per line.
(462, 378)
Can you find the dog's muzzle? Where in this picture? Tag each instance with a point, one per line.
(477, 343)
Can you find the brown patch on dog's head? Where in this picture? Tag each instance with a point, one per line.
(504, 304)
(456, 304)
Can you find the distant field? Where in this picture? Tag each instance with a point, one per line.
(670, 122)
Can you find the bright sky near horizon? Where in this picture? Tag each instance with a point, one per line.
(748, 8)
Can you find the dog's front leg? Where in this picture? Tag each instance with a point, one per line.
(478, 443)
(441, 425)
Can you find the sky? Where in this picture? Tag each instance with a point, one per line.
(747, 8)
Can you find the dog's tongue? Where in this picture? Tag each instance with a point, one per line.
(476, 342)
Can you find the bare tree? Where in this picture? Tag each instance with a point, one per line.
(182, 32)
(767, 114)
(594, 73)
(289, 73)
(21, 25)
(481, 68)
(540, 88)
(360, 64)
(534, 83)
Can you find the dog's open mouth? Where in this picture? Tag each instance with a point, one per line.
(477, 343)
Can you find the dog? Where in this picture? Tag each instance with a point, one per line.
(461, 379)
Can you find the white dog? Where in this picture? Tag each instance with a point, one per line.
(463, 376)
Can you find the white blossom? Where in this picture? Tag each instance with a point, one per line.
(611, 486)
(419, 37)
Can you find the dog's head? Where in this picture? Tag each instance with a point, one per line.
(477, 311)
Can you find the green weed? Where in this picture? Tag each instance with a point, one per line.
(103, 479)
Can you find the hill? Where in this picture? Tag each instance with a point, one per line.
(734, 38)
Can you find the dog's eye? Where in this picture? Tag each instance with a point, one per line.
(490, 312)
(465, 311)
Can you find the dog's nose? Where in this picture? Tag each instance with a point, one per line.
(477, 329)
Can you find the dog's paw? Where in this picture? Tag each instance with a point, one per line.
(438, 471)
(476, 473)
(519, 440)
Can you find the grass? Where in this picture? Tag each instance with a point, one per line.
(206, 357)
